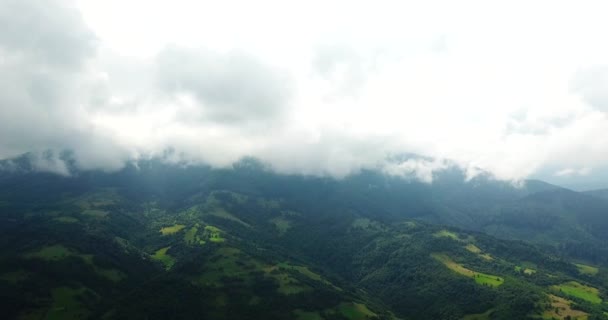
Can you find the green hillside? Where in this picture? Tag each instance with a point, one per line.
(165, 242)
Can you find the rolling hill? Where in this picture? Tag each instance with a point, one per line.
(157, 241)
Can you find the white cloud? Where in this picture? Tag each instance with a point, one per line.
(320, 88)
(572, 171)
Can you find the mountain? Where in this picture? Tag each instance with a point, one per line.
(602, 193)
(157, 241)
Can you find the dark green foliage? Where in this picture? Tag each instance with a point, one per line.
(364, 239)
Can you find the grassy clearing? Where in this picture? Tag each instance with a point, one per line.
(172, 229)
(222, 213)
(66, 219)
(191, 237)
(307, 315)
(486, 256)
(452, 235)
(581, 291)
(58, 252)
(487, 279)
(213, 234)
(561, 308)
(524, 270)
(14, 277)
(162, 256)
(269, 204)
(66, 304)
(586, 269)
(288, 285)
(94, 213)
(446, 234)
(479, 316)
(305, 271)
(355, 311)
(283, 225)
(110, 274)
(480, 278)
(51, 253)
(214, 207)
(231, 262)
(473, 248)
(225, 261)
(366, 224)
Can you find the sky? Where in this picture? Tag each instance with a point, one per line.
(515, 88)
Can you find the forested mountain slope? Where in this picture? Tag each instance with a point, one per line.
(161, 241)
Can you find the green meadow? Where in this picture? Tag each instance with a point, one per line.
(479, 316)
(172, 229)
(213, 234)
(581, 291)
(355, 311)
(66, 304)
(281, 224)
(51, 253)
(66, 219)
(58, 252)
(307, 315)
(480, 278)
(162, 256)
(586, 269)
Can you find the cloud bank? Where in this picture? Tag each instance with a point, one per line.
(323, 89)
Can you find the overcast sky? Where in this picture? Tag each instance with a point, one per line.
(517, 88)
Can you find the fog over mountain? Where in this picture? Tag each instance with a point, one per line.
(517, 89)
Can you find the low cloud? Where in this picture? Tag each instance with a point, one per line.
(231, 88)
(209, 92)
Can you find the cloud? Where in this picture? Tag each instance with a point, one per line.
(232, 87)
(573, 172)
(52, 36)
(592, 84)
(326, 98)
(44, 51)
(421, 169)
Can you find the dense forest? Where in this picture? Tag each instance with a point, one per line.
(157, 241)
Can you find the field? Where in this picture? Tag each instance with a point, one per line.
(305, 271)
(230, 262)
(355, 311)
(66, 219)
(51, 253)
(526, 271)
(162, 256)
(306, 315)
(222, 213)
(66, 304)
(172, 229)
(480, 278)
(561, 308)
(59, 252)
(213, 207)
(281, 224)
(479, 316)
(577, 290)
(586, 269)
(14, 277)
(473, 248)
(191, 237)
(99, 214)
(214, 234)
(446, 234)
